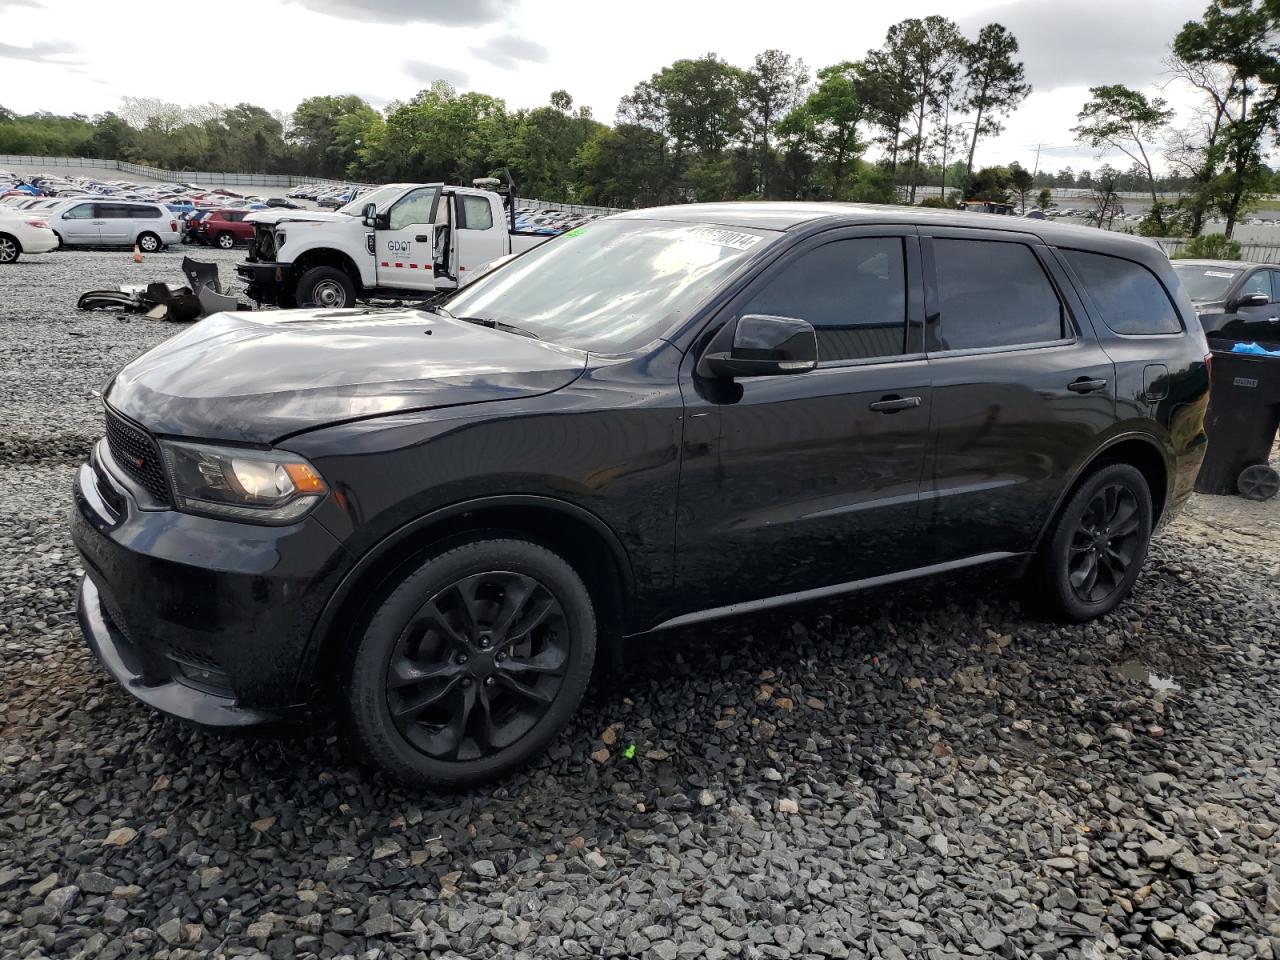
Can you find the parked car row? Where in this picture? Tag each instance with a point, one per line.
(328, 196)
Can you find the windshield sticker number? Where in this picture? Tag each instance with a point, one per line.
(727, 238)
(1219, 273)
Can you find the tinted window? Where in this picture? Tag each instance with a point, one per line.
(992, 294)
(854, 292)
(81, 211)
(145, 213)
(1257, 282)
(476, 213)
(416, 206)
(111, 211)
(1127, 295)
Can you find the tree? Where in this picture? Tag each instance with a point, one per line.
(991, 184)
(1237, 36)
(329, 131)
(775, 85)
(1022, 182)
(994, 82)
(827, 123)
(1045, 200)
(931, 49)
(888, 97)
(1116, 117)
(1104, 203)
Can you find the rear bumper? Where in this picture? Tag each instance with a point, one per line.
(40, 244)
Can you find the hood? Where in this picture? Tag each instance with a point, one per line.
(278, 215)
(257, 377)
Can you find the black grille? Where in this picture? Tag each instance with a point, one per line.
(137, 454)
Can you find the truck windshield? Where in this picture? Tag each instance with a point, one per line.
(380, 198)
(613, 285)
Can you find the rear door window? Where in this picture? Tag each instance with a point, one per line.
(853, 292)
(144, 213)
(992, 294)
(1128, 297)
(111, 211)
(475, 213)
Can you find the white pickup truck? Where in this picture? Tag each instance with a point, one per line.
(403, 240)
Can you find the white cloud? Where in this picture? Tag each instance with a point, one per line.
(443, 12)
(508, 50)
(427, 73)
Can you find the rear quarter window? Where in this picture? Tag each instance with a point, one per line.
(1126, 295)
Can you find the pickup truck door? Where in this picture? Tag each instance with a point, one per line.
(402, 252)
(480, 232)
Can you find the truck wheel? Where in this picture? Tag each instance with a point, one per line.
(226, 241)
(326, 287)
(1095, 548)
(471, 665)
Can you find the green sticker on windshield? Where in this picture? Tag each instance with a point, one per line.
(576, 232)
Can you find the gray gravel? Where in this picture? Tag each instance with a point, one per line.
(923, 773)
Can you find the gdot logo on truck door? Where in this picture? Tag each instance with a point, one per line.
(399, 246)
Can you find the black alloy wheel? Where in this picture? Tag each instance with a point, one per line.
(1093, 551)
(478, 665)
(471, 664)
(1106, 542)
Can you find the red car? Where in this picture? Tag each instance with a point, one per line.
(224, 228)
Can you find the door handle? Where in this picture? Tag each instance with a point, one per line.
(422, 238)
(892, 404)
(1085, 385)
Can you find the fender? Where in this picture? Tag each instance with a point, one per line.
(343, 592)
(1083, 468)
(356, 252)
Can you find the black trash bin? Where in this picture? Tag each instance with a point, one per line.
(1241, 422)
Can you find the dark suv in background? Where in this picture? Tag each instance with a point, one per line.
(430, 524)
(1234, 300)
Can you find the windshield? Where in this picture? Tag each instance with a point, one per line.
(1205, 283)
(612, 285)
(379, 198)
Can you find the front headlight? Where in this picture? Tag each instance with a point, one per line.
(259, 486)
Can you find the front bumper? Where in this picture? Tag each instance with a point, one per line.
(266, 282)
(206, 620)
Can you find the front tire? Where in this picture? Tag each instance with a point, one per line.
(1097, 545)
(326, 287)
(471, 665)
(10, 248)
(149, 242)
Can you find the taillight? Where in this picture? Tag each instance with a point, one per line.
(173, 226)
(42, 224)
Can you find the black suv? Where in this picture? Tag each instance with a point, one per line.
(434, 523)
(1234, 300)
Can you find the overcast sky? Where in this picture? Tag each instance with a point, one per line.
(78, 56)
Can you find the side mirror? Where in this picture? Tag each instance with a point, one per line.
(1252, 300)
(756, 345)
(370, 214)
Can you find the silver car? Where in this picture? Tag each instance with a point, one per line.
(116, 223)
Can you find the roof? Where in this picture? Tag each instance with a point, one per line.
(791, 215)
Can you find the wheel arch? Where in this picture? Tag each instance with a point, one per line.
(326, 257)
(585, 541)
(1139, 450)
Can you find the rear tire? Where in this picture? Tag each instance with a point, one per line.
(325, 287)
(226, 241)
(10, 248)
(472, 665)
(1094, 551)
(149, 242)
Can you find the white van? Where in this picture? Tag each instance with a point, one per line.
(116, 223)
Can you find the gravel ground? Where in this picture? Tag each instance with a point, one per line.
(922, 773)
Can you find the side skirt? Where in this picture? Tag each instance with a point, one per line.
(835, 590)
